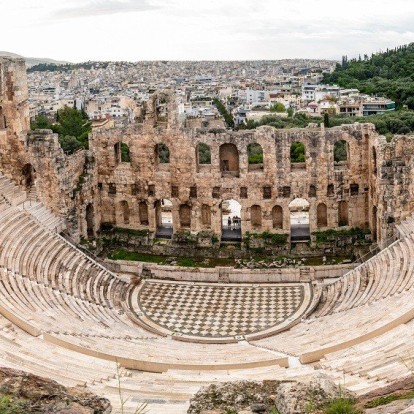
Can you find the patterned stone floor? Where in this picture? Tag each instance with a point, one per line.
(219, 311)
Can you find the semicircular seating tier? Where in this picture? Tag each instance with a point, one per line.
(60, 308)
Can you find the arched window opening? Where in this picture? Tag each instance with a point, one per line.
(297, 155)
(185, 216)
(203, 154)
(299, 220)
(143, 213)
(117, 152)
(230, 220)
(229, 160)
(341, 153)
(343, 213)
(124, 209)
(255, 157)
(277, 217)
(162, 153)
(322, 215)
(125, 154)
(206, 215)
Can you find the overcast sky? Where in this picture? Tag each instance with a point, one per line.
(79, 30)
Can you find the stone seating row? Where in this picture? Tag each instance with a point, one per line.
(406, 227)
(18, 350)
(44, 215)
(315, 338)
(29, 249)
(388, 273)
(388, 357)
(11, 192)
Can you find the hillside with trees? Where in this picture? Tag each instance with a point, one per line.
(389, 74)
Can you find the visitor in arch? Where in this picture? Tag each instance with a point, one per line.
(229, 223)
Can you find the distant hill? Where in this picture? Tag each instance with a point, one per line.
(389, 73)
(31, 61)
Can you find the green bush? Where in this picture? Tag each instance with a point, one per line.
(341, 406)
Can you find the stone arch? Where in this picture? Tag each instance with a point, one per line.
(341, 152)
(298, 154)
(124, 209)
(322, 215)
(343, 213)
(90, 221)
(229, 160)
(256, 216)
(299, 220)
(206, 215)
(28, 173)
(185, 216)
(162, 153)
(255, 156)
(277, 217)
(143, 213)
(203, 154)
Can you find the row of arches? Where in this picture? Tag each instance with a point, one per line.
(231, 217)
(229, 154)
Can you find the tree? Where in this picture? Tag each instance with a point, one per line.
(69, 144)
(326, 121)
(278, 107)
(41, 122)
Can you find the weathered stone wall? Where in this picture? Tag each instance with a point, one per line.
(205, 186)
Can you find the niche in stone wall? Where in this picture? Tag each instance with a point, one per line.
(229, 160)
(354, 189)
(143, 213)
(206, 215)
(28, 173)
(374, 223)
(322, 215)
(255, 157)
(267, 193)
(90, 217)
(243, 192)
(124, 210)
(256, 216)
(185, 216)
(343, 213)
(193, 192)
(330, 190)
(312, 191)
(277, 217)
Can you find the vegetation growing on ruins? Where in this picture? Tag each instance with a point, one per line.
(389, 73)
(393, 122)
(255, 154)
(224, 113)
(297, 152)
(355, 232)
(272, 239)
(72, 125)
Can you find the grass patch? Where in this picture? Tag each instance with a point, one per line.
(10, 405)
(122, 254)
(341, 406)
(377, 402)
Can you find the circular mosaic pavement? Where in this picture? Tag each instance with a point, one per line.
(210, 311)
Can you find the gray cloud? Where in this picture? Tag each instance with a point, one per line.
(103, 8)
